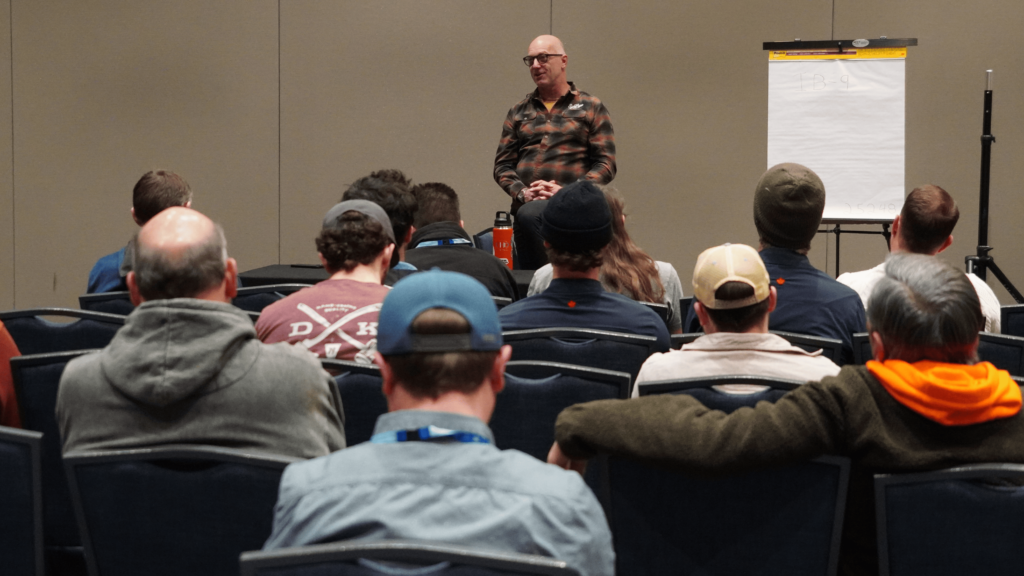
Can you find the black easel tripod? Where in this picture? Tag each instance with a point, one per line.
(981, 262)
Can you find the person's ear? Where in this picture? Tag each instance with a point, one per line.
(386, 374)
(497, 375)
(702, 316)
(773, 298)
(133, 290)
(230, 278)
(877, 347)
(408, 235)
(948, 242)
(136, 218)
(323, 261)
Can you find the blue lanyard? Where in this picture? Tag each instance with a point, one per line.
(446, 242)
(428, 434)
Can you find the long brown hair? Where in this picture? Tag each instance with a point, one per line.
(627, 269)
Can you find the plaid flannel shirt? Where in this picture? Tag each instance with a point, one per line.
(574, 141)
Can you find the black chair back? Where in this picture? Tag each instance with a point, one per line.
(362, 399)
(678, 340)
(110, 302)
(536, 392)
(484, 240)
(21, 503)
(862, 348)
(36, 379)
(1004, 352)
(363, 559)
(582, 346)
(501, 301)
(661, 310)
(965, 520)
(702, 389)
(786, 520)
(1011, 320)
(256, 298)
(831, 348)
(172, 510)
(36, 335)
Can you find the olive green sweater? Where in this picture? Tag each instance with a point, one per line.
(850, 414)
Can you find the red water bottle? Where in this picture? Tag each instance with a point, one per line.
(502, 238)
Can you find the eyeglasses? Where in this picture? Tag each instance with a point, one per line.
(528, 60)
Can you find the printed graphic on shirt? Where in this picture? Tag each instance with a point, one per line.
(356, 327)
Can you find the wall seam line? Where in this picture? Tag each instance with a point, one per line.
(279, 192)
(14, 221)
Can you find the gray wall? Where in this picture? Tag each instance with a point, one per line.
(271, 107)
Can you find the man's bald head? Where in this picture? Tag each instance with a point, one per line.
(549, 76)
(181, 253)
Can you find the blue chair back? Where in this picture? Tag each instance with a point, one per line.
(1011, 320)
(256, 298)
(786, 520)
(362, 398)
(172, 510)
(419, 559)
(36, 380)
(862, 348)
(703, 390)
(110, 302)
(1004, 352)
(36, 335)
(21, 503)
(964, 520)
(678, 340)
(583, 347)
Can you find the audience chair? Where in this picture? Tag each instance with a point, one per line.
(582, 346)
(678, 340)
(172, 510)
(257, 298)
(784, 520)
(362, 398)
(501, 301)
(21, 503)
(36, 379)
(536, 392)
(484, 240)
(1011, 320)
(965, 520)
(862, 348)
(110, 302)
(661, 310)
(684, 307)
(1005, 352)
(831, 348)
(412, 558)
(703, 390)
(36, 335)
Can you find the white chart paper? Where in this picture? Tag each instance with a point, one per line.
(845, 120)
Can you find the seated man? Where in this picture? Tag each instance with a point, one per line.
(154, 192)
(440, 241)
(925, 226)
(355, 247)
(733, 298)
(577, 226)
(389, 189)
(187, 367)
(431, 470)
(788, 203)
(922, 404)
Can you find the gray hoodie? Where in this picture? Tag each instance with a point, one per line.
(192, 371)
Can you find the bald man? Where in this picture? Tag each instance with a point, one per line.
(555, 136)
(187, 367)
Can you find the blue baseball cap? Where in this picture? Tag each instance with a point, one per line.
(437, 289)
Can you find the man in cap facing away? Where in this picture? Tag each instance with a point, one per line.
(337, 318)
(577, 226)
(431, 470)
(733, 299)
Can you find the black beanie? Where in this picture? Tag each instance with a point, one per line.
(577, 219)
(788, 203)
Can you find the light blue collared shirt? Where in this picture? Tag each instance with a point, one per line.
(468, 494)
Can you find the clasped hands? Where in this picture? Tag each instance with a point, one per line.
(541, 190)
(558, 458)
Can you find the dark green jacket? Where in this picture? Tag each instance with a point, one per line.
(850, 414)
